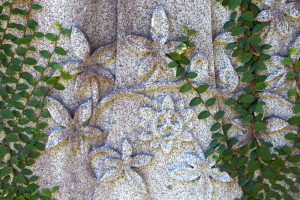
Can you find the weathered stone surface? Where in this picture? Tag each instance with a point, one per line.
(121, 130)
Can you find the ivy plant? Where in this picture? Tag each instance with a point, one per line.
(25, 76)
(262, 170)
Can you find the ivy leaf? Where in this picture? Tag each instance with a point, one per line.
(202, 88)
(195, 101)
(291, 136)
(203, 115)
(210, 102)
(60, 51)
(248, 15)
(185, 88)
(246, 57)
(247, 98)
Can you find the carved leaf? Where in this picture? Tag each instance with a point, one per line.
(95, 91)
(97, 152)
(56, 137)
(184, 172)
(141, 160)
(159, 25)
(80, 44)
(136, 181)
(220, 176)
(292, 11)
(166, 146)
(147, 67)
(126, 149)
(194, 159)
(105, 55)
(296, 45)
(83, 112)
(206, 188)
(227, 77)
(92, 132)
(168, 103)
(275, 124)
(199, 64)
(265, 16)
(224, 38)
(139, 44)
(108, 170)
(58, 112)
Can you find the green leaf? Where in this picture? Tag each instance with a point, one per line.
(296, 109)
(60, 51)
(179, 71)
(30, 61)
(233, 4)
(260, 86)
(287, 61)
(237, 31)
(45, 54)
(219, 114)
(210, 102)
(59, 86)
(291, 136)
(192, 75)
(259, 126)
(185, 88)
(174, 56)
(51, 37)
(172, 64)
(66, 76)
(292, 92)
(216, 126)
(203, 115)
(36, 6)
(195, 101)
(247, 98)
(230, 102)
(254, 39)
(291, 75)
(246, 57)
(248, 15)
(264, 153)
(202, 88)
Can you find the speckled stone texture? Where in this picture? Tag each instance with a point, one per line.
(121, 130)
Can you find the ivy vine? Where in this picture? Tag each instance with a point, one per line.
(25, 76)
(262, 170)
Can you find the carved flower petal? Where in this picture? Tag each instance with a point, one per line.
(56, 137)
(80, 44)
(146, 68)
(224, 38)
(194, 159)
(265, 16)
(146, 115)
(98, 152)
(220, 176)
(159, 25)
(105, 55)
(126, 149)
(92, 132)
(184, 172)
(269, 2)
(58, 112)
(227, 77)
(275, 124)
(146, 135)
(166, 147)
(136, 181)
(168, 103)
(207, 188)
(108, 169)
(292, 11)
(141, 160)
(83, 112)
(139, 44)
(296, 45)
(199, 64)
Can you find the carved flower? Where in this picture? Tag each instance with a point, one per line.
(154, 50)
(163, 127)
(196, 167)
(89, 67)
(71, 128)
(277, 14)
(109, 164)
